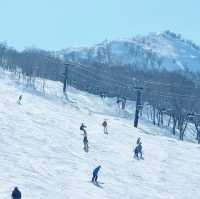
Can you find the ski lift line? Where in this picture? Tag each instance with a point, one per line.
(129, 79)
(91, 77)
(173, 97)
(144, 81)
(106, 73)
(159, 94)
(169, 95)
(124, 86)
(105, 83)
(176, 95)
(101, 81)
(168, 85)
(157, 83)
(83, 66)
(103, 72)
(110, 91)
(95, 80)
(108, 78)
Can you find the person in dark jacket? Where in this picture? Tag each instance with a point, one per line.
(138, 141)
(85, 142)
(16, 194)
(82, 128)
(19, 101)
(105, 124)
(95, 173)
(138, 150)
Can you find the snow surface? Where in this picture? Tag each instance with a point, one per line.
(41, 149)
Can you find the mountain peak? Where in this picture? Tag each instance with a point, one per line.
(164, 49)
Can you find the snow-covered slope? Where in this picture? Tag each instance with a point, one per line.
(41, 150)
(157, 50)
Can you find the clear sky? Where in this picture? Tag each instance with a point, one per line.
(57, 24)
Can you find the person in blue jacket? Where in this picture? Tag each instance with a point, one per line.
(95, 173)
(16, 194)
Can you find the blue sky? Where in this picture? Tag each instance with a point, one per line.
(57, 24)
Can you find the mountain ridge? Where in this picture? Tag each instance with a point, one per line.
(156, 50)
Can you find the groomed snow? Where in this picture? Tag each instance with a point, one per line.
(41, 150)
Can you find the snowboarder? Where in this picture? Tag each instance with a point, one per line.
(85, 142)
(95, 174)
(105, 124)
(20, 99)
(16, 194)
(82, 128)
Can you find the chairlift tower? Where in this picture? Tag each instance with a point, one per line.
(138, 105)
(65, 74)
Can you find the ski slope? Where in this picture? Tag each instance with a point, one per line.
(41, 150)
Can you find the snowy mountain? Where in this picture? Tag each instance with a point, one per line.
(41, 149)
(157, 50)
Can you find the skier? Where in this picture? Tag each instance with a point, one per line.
(20, 99)
(16, 194)
(105, 124)
(85, 142)
(138, 141)
(95, 174)
(138, 150)
(82, 128)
